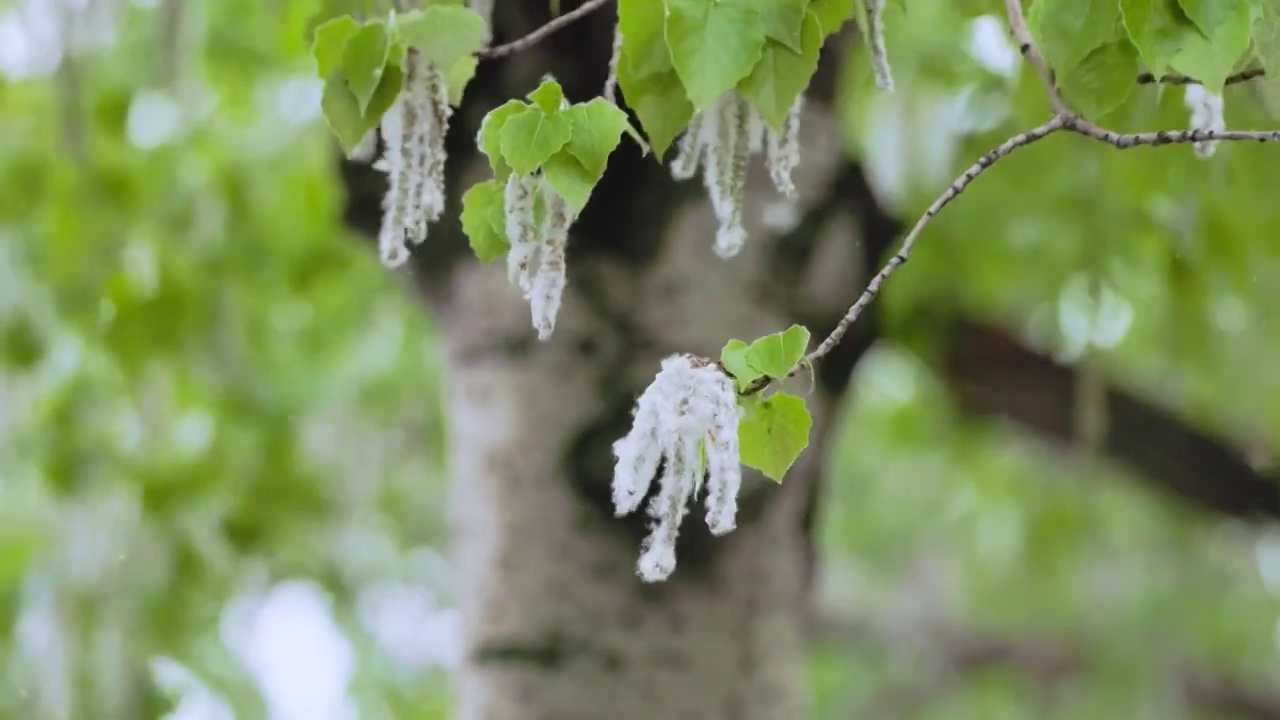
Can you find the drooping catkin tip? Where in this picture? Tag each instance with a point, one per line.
(729, 240)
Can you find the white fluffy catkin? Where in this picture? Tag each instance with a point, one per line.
(720, 140)
(413, 131)
(689, 406)
(1207, 113)
(549, 281)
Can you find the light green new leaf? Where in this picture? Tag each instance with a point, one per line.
(1068, 30)
(458, 77)
(1103, 80)
(342, 110)
(548, 96)
(1211, 60)
(330, 40)
(491, 135)
(777, 354)
(832, 14)
(597, 130)
(530, 137)
(445, 34)
(774, 433)
(781, 19)
(1266, 38)
(734, 359)
(363, 60)
(570, 179)
(478, 205)
(1157, 28)
(713, 45)
(1209, 14)
(644, 46)
(781, 75)
(660, 103)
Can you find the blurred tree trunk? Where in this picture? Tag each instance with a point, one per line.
(556, 624)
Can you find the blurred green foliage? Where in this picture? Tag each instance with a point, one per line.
(208, 384)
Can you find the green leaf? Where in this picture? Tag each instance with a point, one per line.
(781, 75)
(597, 129)
(714, 44)
(659, 102)
(832, 14)
(1266, 38)
(363, 61)
(478, 206)
(1157, 28)
(777, 354)
(342, 109)
(491, 135)
(1209, 14)
(330, 40)
(781, 19)
(1211, 60)
(459, 76)
(774, 433)
(548, 96)
(1103, 81)
(644, 46)
(734, 359)
(570, 179)
(1068, 30)
(530, 137)
(445, 34)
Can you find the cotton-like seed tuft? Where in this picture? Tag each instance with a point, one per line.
(1207, 113)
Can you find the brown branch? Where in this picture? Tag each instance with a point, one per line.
(1147, 78)
(1063, 119)
(543, 32)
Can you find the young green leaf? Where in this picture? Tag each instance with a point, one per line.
(1210, 60)
(1103, 80)
(781, 75)
(342, 110)
(330, 40)
(530, 137)
(644, 47)
(777, 354)
(445, 34)
(734, 359)
(597, 129)
(1068, 30)
(832, 14)
(774, 433)
(1157, 28)
(570, 179)
(491, 135)
(548, 96)
(1209, 14)
(363, 61)
(713, 45)
(478, 205)
(781, 20)
(660, 103)
(458, 77)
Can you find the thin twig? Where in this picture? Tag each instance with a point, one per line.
(1147, 78)
(1124, 141)
(1027, 46)
(543, 32)
(982, 165)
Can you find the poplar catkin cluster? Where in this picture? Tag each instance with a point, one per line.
(689, 412)
(537, 225)
(413, 132)
(1207, 113)
(721, 140)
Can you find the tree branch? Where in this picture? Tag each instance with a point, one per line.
(1147, 78)
(543, 32)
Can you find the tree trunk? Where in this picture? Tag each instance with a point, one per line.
(557, 625)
